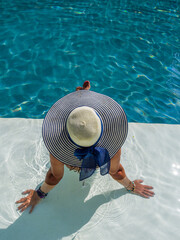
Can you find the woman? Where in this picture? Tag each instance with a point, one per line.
(84, 131)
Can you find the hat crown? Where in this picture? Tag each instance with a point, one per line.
(84, 126)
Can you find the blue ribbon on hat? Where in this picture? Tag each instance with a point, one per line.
(93, 157)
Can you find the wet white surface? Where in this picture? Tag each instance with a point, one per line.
(102, 208)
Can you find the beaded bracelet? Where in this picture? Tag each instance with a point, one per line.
(133, 186)
(132, 190)
(40, 193)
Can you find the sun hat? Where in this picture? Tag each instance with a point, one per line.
(85, 129)
(84, 126)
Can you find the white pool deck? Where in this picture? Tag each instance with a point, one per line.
(102, 208)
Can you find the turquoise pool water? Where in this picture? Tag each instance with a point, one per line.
(129, 50)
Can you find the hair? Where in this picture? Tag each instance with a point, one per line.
(85, 85)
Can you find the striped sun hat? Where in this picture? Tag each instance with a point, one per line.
(56, 134)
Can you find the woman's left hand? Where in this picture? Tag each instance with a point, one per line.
(143, 190)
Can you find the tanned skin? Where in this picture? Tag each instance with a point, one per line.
(56, 172)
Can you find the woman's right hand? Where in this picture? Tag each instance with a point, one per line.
(31, 200)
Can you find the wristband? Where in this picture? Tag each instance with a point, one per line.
(40, 193)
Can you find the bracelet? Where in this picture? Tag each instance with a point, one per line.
(40, 193)
(133, 188)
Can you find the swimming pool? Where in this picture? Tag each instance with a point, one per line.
(129, 50)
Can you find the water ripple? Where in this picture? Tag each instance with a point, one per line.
(128, 51)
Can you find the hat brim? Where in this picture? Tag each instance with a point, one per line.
(55, 135)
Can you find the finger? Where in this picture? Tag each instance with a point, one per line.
(24, 208)
(144, 195)
(149, 192)
(139, 180)
(21, 200)
(141, 194)
(146, 190)
(31, 209)
(27, 191)
(21, 206)
(148, 187)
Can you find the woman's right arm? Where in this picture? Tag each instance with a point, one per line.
(53, 176)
